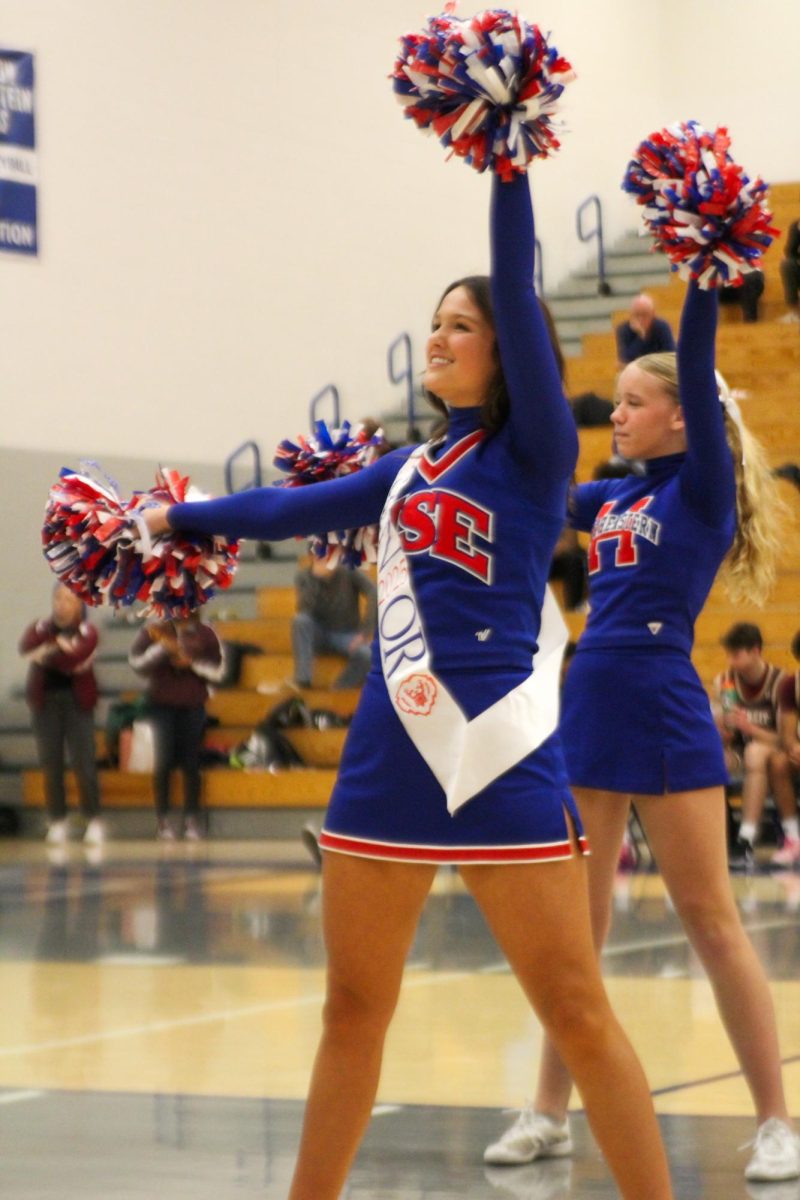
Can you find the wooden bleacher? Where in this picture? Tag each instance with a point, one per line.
(762, 358)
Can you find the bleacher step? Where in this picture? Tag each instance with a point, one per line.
(299, 787)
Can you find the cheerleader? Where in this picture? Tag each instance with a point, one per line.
(452, 755)
(656, 544)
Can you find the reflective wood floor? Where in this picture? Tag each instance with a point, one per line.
(161, 1009)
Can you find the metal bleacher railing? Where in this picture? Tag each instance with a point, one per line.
(586, 235)
(331, 390)
(255, 479)
(403, 372)
(400, 360)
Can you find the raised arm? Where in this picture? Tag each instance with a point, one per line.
(707, 478)
(274, 513)
(542, 424)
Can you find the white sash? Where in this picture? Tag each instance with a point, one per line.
(464, 755)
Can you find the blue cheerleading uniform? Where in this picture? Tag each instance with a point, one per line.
(635, 717)
(478, 517)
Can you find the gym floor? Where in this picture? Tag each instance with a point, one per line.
(161, 1010)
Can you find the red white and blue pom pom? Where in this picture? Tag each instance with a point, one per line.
(487, 86)
(97, 545)
(330, 454)
(82, 522)
(702, 210)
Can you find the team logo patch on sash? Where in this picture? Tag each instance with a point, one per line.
(417, 695)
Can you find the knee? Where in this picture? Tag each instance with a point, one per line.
(779, 765)
(714, 929)
(354, 1011)
(303, 622)
(755, 757)
(576, 1016)
(581, 1032)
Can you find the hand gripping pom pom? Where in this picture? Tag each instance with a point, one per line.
(330, 454)
(97, 544)
(703, 212)
(487, 86)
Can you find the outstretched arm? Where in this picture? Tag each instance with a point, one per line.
(707, 479)
(542, 425)
(275, 513)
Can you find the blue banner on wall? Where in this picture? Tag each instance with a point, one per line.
(17, 154)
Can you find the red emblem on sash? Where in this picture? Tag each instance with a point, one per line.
(417, 695)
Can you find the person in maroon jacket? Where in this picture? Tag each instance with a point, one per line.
(179, 659)
(62, 694)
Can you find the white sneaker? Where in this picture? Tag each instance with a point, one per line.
(57, 833)
(789, 318)
(193, 830)
(776, 1153)
(164, 830)
(95, 833)
(533, 1135)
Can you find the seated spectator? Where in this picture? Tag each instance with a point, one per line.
(329, 620)
(62, 693)
(789, 728)
(746, 711)
(747, 294)
(179, 659)
(569, 564)
(643, 332)
(790, 272)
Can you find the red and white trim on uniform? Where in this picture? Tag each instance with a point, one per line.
(400, 852)
(432, 469)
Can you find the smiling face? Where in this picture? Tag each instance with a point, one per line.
(648, 421)
(461, 352)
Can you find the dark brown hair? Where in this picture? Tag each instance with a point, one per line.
(496, 404)
(743, 636)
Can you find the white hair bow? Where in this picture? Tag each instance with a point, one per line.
(729, 400)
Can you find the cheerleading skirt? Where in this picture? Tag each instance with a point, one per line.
(638, 721)
(387, 804)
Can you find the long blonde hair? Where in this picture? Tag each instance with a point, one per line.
(749, 568)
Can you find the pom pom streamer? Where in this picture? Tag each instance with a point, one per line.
(702, 210)
(330, 454)
(487, 86)
(97, 544)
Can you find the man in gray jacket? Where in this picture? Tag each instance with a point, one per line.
(336, 613)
